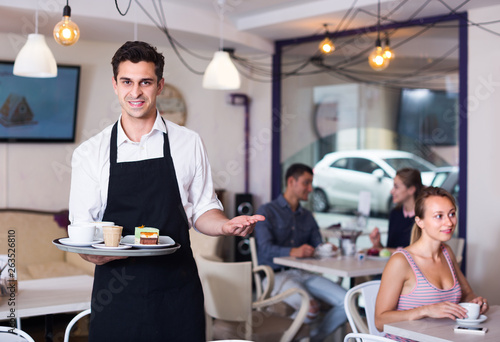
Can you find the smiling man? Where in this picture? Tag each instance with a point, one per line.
(144, 170)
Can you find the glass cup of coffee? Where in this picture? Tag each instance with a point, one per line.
(112, 235)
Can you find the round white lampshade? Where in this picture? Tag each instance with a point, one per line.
(221, 73)
(35, 58)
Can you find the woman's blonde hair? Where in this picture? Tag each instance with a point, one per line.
(424, 194)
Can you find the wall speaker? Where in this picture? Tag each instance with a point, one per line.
(243, 206)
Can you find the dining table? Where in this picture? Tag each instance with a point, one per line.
(45, 297)
(442, 329)
(337, 265)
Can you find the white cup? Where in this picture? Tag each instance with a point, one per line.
(99, 225)
(472, 310)
(82, 232)
(325, 248)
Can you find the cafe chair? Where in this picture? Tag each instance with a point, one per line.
(9, 334)
(365, 338)
(232, 314)
(262, 292)
(73, 322)
(368, 291)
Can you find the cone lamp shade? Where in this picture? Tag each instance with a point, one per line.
(35, 59)
(221, 73)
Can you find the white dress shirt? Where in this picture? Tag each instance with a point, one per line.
(90, 169)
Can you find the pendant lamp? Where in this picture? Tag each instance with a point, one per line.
(66, 32)
(35, 58)
(376, 58)
(326, 46)
(221, 73)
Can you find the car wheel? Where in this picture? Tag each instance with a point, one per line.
(319, 201)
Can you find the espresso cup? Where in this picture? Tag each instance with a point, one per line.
(99, 225)
(473, 310)
(81, 232)
(112, 235)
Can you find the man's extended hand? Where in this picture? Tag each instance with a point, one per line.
(241, 225)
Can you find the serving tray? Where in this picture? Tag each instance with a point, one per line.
(132, 252)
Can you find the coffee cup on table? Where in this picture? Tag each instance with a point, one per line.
(473, 310)
(81, 232)
(99, 225)
(112, 235)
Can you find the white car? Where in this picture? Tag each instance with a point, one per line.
(340, 176)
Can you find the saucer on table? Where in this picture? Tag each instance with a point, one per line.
(69, 242)
(480, 319)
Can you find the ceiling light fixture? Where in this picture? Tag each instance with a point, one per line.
(221, 73)
(326, 46)
(66, 32)
(35, 58)
(376, 58)
(388, 53)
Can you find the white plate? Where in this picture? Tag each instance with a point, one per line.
(481, 319)
(164, 241)
(103, 246)
(67, 241)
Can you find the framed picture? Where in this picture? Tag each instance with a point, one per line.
(38, 109)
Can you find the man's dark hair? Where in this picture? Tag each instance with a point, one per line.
(138, 52)
(297, 170)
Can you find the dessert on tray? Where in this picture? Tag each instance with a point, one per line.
(146, 235)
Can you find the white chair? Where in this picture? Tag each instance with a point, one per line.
(9, 334)
(72, 323)
(369, 291)
(228, 300)
(366, 338)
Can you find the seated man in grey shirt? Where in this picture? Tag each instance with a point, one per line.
(290, 230)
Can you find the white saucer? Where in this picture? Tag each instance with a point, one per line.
(481, 319)
(67, 241)
(164, 241)
(103, 246)
(321, 254)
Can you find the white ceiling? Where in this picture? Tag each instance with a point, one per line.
(250, 25)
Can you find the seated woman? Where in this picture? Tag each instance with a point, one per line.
(407, 186)
(424, 280)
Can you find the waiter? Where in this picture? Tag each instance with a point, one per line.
(146, 171)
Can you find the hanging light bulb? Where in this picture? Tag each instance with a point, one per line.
(376, 58)
(66, 32)
(388, 53)
(221, 74)
(326, 46)
(35, 58)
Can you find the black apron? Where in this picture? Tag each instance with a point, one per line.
(156, 298)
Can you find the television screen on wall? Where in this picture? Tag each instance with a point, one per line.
(38, 109)
(429, 117)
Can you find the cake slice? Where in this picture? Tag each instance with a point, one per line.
(146, 235)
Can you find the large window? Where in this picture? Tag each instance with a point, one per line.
(332, 108)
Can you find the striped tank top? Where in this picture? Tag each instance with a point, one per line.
(424, 293)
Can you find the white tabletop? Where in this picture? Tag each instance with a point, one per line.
(341, 266)
(49, 296)
(441, 330)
